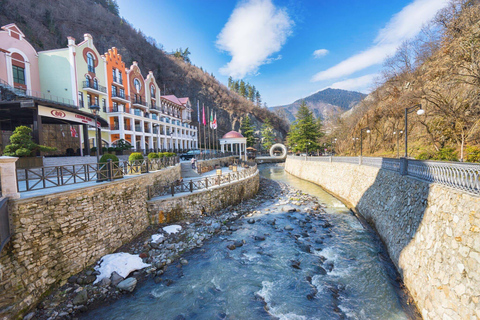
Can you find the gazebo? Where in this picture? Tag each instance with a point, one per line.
(234, 142)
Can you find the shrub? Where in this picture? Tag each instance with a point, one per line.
(112, 149)
(108, 156)
(473, 154)
(135, 156)
(21, 144)
(446, 154)
(153, 155)
(123, 145)
(426, 155)
(94, 149)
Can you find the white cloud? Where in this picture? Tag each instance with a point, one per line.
(255, 30)
(402, 26)
(320, 53)
(362, 84)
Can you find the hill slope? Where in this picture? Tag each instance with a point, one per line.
(47, 24)
(325, 104)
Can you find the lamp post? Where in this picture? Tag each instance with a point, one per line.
(95, 108)
(355, 145)
(420, 111)
(361, 139)
(306, 149)
(398, 138)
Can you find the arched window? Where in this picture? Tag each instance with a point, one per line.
(87, 81)
(137, 84)
(95, 84)
(90, 62)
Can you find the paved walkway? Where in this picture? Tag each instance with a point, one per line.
(187, 171)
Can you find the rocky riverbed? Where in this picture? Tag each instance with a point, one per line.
(281, 255)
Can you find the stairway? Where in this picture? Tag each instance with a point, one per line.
(187, 171)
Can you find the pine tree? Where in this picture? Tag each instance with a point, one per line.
(243, 89)
(230, 83)
(252, 93)
(237, 86)
(258, 98)
(305, 130)
(268, 138)
(247, 130)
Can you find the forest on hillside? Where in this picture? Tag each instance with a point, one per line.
(439, 69)
(47, 24)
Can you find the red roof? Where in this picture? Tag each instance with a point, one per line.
(232, 134)
(173, 99)
(183, 100)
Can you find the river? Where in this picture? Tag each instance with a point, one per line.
(329, 266)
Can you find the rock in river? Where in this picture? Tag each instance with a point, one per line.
(127, 284)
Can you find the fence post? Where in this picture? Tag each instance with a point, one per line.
(360, 160)
(229, 177)
(8, 177)
(330, 159)
(191, 186)
(173, 188)
(206, 183)
(147, 164)
(403, 166)
(110, 169)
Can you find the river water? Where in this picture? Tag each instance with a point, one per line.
(328, 267)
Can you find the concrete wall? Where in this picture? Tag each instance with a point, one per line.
(432, 232)
(203, 202)
(58, 235)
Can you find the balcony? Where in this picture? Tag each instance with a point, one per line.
(94, 88)
(138, 102)
(115, 126)
(120, 97)
(127, 127)
(113, 109)
(118, 80)
(154, 107)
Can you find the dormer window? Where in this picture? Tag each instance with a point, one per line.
(137, 85)
(90, 62)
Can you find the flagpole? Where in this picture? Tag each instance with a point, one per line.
(204, 123)
(199, 128)
(208, 129)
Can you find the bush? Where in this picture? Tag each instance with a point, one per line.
(94, 149)
(153, 155)
(123, 145)
(135, 156)
(426, 155)
(21, 144)
(167, 154)
(108, 156)
(112, 149)
(446, 154)
(473, 154)
(161, 155)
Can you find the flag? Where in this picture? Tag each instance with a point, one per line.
(204, 121)
(198, 112)
(211, 120)
(215, 121)
(73, 131)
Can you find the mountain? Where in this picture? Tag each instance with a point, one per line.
(47, 24)
(325, 104)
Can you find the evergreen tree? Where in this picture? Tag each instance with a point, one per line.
(258, 98)
(237, 86)
(305, 130)
(247, 130)
(21, 144)
(268, 138)
(243, 89)
(230, 83)
(252, 93)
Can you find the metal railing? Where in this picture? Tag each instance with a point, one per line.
(120, 95)
(21, 94)
(56, 176)
(95, 86)
(5, 231)
(459, 175)
(176, 187)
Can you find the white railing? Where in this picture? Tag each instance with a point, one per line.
(459, 175)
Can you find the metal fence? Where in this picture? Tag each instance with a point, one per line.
(458, 175)
(5, 231)
(56, 176)
(175, 187)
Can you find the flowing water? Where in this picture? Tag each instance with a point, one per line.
(315, 271)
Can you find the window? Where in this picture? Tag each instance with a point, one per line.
(89, 99)
(96, 101)
(122, 93)
(90, 62)
(104, 104)
(114, 91)
(152, 91)
(18, 75)
(115, 107)
(120, 80)
(80, 100)
(114, 74)
(137, 85)
(95, 84)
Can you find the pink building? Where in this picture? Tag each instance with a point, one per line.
(18, 60)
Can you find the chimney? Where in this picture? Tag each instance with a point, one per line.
(71, 41)
(87, 37)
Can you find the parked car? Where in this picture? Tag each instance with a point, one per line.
(189, 155)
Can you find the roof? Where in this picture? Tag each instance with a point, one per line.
(183, 100)
(172, 99)
(232, 135)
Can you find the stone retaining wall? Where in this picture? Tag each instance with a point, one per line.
(432, 232)
(209, 165)
(58, 235)
(202, 202)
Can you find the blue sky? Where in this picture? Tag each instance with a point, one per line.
(288, 49)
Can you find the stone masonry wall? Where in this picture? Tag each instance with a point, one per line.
(209, 165)
(202, 202)
(432, 232)
(58, 235)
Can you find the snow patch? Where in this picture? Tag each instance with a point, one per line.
(123, 263)
(174, 228)
(157, 237)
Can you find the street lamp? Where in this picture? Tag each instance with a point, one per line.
(306, 149)
(398, 145)
(95, 108)
(361, 139)
(407, 111)
(332, 141)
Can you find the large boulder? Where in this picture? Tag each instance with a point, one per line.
(128, 284)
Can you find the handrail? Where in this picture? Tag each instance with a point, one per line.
(462, 176)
